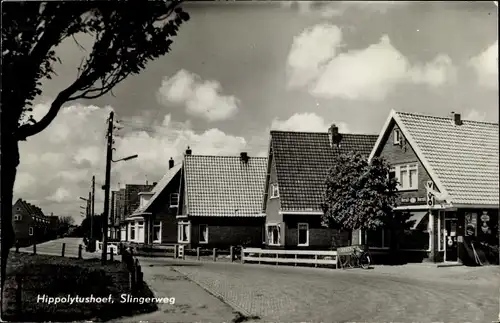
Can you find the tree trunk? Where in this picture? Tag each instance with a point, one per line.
(10, 161)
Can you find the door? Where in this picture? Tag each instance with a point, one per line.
(450, 240)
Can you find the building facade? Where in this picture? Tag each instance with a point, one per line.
(30, 224)
(297, 168)
(447, 169)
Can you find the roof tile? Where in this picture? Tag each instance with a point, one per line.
(224, 185)
(303, 160)
(464, 157)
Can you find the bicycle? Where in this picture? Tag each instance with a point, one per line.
(358, 258)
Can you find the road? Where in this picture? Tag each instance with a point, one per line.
(288, 294)
(54, 247)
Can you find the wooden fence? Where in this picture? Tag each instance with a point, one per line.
(295, 257)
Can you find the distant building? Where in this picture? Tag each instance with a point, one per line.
(30, 224)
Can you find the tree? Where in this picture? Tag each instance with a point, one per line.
(64, 223)
(362, 195)
(127, 35)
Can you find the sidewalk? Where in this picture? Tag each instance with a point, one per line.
(192, 303)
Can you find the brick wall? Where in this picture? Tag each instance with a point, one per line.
(225, 232)
(273, 204)
(401, 154)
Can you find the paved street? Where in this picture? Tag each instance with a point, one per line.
(404, 294)
(54, 248)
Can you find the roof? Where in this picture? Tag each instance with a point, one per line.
(461, 160)
(30, 208)
(303, 160)
(224, 186)
(158, 188)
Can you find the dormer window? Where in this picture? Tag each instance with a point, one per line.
(174, 200)
(397, 137)
(275, 191)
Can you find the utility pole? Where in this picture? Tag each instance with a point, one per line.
(92, 214)
(91, 219)
(109, 157)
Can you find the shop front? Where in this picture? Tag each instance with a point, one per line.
(468, 236)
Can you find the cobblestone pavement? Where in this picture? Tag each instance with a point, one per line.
(288, 294)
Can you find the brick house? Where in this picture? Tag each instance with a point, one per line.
(220, 201)
(297, 168)
(125, 202)
(154, 220)
(448, 174)
(29, 223)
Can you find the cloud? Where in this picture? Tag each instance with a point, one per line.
(475, 115)
(331, 9)
(201, 98)
(54, 173)
(306, 122)
(314, 63)
(486, 66)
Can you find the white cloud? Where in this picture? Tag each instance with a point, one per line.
(314, 62)
(486, 66)
(306, 122)
(54, 173)
(201, 98)
(331, 9)
(474, 115)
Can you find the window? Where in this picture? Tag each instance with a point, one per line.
(203, 233)
(407, 176)
(31, 231)
(157, 232)
(397, 137)
(303, 234)
(376, 238)
(17, 217)
(132, 231)
(184, 235)
(273, 235)
(274, 191)
(174, 200)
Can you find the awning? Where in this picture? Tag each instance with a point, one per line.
(419, 219)
(133, 218)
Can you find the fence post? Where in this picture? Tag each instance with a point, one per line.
(315, 260)
(215, 254)
(80, 248)
(131, 282)
(295, 260)
(19, 294)
(17, 246)
(197, 253)
(63, 249)
(277, 256)
(111, 255)
(242, 255)
(34, 248)
(231, 253)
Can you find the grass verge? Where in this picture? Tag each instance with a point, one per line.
(55, 276)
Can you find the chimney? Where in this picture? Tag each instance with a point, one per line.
(457, 118)
(188, 151)
(334, 136)
(244, 157)
(171, 163)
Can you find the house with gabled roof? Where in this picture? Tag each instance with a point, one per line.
(297, 168)
(448, 174)
(220, 201)
(29, 223)
(154, 220)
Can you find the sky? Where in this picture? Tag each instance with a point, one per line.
(239, 69)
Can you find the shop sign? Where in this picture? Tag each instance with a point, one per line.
(413, 200)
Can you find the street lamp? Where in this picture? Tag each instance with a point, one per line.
(125, 158)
